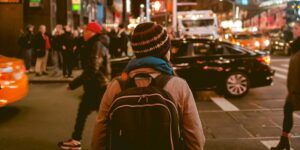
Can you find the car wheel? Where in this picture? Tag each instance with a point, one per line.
(236, 85)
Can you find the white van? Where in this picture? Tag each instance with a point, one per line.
(201, 23)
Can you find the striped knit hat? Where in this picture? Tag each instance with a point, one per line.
(150, 39)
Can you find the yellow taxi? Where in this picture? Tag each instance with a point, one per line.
(13, 80)
(254, 41)
(261, 42)
(242, 39)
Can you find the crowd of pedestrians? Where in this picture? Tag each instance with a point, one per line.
(62, 48)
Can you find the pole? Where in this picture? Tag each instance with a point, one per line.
(174, 15)
(233, 10)
(147, 10)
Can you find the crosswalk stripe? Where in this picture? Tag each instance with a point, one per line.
(271, 143)
(224, 104)
(281, 76)
(280, 60)
(285, 65)
(296, 116)
(279, 69)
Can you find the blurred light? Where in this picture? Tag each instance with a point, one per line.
(157, 5)
(257, 44)
(267, 42)
(128, 4)
(142, 6)
(3, 101)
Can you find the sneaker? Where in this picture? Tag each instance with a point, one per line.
(70, 145)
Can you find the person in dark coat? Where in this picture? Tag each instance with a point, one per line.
(57, 49)
(42, 46)
(122, 41)
(25, 41)
(293, 85)
(94, 78)
(67, 52)
(78, 43)
(113, 45)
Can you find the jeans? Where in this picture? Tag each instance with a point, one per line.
(57, 59)
(90, 102)
(68, 63)
(288, 117)
(26, 55)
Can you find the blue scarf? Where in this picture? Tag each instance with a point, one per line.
(150, 62)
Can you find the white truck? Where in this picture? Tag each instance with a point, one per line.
(203, 23)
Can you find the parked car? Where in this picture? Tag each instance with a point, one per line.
(210, 64)
(13, 80)
(228, 68)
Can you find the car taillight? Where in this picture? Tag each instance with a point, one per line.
(264, 59)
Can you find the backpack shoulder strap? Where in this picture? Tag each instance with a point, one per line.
(125, 84)
(162, 80)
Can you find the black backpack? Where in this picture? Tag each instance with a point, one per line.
(144, 118)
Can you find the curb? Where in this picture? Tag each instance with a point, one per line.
(49, 81)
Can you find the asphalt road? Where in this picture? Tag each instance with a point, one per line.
(253, 122)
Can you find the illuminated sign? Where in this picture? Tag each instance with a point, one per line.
(35, 3)
(76, 5)
(10, 1)
(242, 2)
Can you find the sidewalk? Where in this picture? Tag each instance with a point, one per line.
(52, 77)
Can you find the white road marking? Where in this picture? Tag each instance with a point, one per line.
(271, 143)
(280, 60)
(281, 76)
(224, 104)
(285, 65)
(296, 115)
(279, 69)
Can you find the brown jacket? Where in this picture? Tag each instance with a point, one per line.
(178, 88)
(293, 80)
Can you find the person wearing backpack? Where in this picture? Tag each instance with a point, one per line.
(148, 107)
(94, 78)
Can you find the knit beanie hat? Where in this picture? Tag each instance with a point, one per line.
(94, 27)
(150, 39)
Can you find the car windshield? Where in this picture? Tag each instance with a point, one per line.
(242, 36)
(198, 23)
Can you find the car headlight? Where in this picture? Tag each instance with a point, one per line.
(267, 42)
(257, 44)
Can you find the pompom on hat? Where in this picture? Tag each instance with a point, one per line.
(94, 27)
(150, 39)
